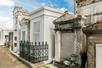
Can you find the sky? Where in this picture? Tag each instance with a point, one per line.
(7, 6)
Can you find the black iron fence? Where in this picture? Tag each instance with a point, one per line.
(34, 53)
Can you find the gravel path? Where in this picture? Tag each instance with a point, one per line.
(9, 61)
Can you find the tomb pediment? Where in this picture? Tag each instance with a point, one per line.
(20, 11)
(93, 29)
(63, 18)
(24, 21)
(67, 22)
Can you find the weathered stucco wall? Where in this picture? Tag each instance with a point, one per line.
(90, 10)
(67, 47)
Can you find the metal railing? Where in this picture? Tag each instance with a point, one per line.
(34, 53)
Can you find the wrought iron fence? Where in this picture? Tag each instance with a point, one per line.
(34, 53)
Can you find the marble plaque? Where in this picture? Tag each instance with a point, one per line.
(98, 55)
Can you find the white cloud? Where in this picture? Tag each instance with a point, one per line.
(6, 22)
(43, 4)
(50, 3)
(6, 3)
(71, 2)
(63, 9)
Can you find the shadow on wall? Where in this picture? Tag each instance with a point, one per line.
(53, 41)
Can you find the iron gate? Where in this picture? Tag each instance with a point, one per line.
(34, 53)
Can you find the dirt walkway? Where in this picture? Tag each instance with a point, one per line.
(9, 61)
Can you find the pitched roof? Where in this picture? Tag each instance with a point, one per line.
(46, 8)
(65, 17)
(22, 10)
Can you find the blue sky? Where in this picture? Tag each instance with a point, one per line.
(6, 8)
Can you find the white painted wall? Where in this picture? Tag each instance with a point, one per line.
(57, 46)
(24, 28)
(49, 33)
(3, 33)
(20, 26)
(2, 37)
(38, 19)
(49, 36)
(46, 17)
